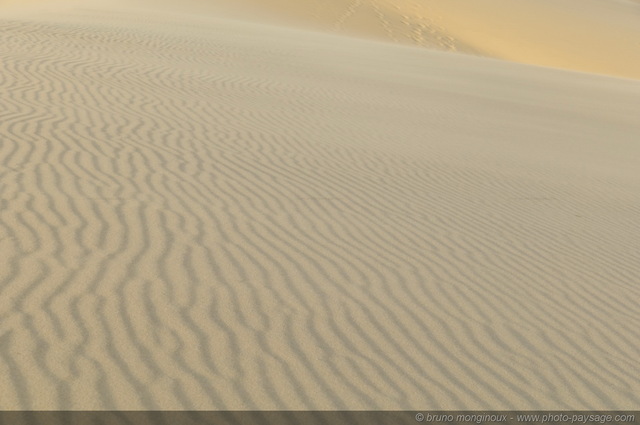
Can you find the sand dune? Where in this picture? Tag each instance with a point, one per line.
(597, 36)
(594, 36)
(200, 213)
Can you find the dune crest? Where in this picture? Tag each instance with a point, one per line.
(595, 36)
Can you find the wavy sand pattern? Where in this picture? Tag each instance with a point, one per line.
(199, 213)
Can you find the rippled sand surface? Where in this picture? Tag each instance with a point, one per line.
(198, 212)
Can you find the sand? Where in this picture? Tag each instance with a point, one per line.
(204, 212)
(595, 36)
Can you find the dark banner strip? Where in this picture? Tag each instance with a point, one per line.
(317, 417)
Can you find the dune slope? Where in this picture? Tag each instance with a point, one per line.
(595, 36)
(208, 214)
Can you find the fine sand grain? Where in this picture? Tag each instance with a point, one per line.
(201, 213)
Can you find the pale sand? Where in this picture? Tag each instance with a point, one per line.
(598, 36)
(200, 213)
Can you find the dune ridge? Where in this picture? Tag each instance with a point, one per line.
(594, 36)
(201, 213)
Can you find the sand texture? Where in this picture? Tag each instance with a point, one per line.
(198, 212)
(595, 36)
